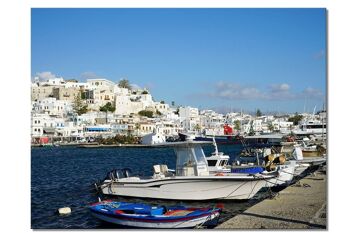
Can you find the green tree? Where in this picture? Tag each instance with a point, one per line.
(146, 113)
(78, 106)
(158, 113)
(144, 92)
(258, 113)
(83, 95)
(251, 131)
(295, 119)
(137, 127)
(108, 107)
(162, 102)
(124, 83)
(237, 125)
(270, 126)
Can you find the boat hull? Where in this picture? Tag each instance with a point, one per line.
(285, 176)
(187, 189)
(206, 220)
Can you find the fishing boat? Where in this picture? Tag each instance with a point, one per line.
(149, 216)
(303, 164)
(190, 181)
(218, 162)
(273, 163)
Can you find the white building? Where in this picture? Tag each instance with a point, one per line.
(163, 108)
(51, 106)
(100, 83)
(189, 118)
(133, 103)
(210, 120)
(51, 82)
(43, 124)
(153, 138)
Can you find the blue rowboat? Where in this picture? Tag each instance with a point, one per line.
(148, 216)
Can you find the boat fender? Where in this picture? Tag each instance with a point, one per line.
(64, 211)
(270, 167)
(269, 158)
(219, 174)
(280, 159)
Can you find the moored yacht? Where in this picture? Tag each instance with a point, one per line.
(190, 181)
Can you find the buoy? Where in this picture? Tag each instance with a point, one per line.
(270, 167)
(269, 158)
(219, 174)
(64, 211)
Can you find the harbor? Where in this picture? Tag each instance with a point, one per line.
(302, 205)
(49, 186)
(178, 118)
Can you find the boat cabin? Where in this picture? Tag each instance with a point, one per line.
(190, 160)
(218, 162)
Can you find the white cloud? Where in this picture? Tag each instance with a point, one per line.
(274, 92)
(280, 87)
(232, 91)
(312, 93)
(45, 75)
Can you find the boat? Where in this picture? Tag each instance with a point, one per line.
(149, 216)
(226, 136)
(218, 162)
(303, 164)
(190, 181)
(273, 163)
(221, 139)
(312, 126)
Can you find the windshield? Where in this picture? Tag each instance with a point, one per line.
(200, 157)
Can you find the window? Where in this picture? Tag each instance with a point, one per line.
(222, 163)
(212, 163)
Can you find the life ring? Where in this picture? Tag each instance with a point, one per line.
(219, 174)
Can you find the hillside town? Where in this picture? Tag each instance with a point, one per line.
(68, 111)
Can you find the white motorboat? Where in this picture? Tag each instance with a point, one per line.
(285, 175)
(218, 162)
(191, 181)
(304, 163)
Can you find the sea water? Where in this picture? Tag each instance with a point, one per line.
(64, 177)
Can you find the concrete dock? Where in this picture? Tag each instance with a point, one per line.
(299, 206)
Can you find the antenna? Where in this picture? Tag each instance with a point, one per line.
(216, 147)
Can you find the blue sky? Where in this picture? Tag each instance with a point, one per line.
(222, 59)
